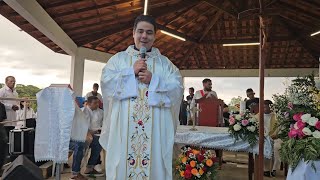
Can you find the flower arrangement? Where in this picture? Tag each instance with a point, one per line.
(298, 121)
(196, 164)
(244, 126)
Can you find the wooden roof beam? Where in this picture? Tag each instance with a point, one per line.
(195, 18)
(192, 5)
(96, 7)
(155, 12)
(217, 16)
(172, 31)
(301, 38)
(222, 7)
(248, 40)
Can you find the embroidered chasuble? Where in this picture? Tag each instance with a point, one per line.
(139, 120)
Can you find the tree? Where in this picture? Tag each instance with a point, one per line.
(28, 91)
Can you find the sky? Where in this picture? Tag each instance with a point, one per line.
(32, 63)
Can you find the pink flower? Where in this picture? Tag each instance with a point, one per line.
(232, 121)
(241, 114)
(293, 133)
(297, 117)
(301, 124)
(245, 122)
(318, 125)
(300, 134)
(290, 105)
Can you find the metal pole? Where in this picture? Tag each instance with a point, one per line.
(261, 91)
(58, 169)
(25, 114)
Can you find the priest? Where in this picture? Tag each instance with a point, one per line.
(142, 92)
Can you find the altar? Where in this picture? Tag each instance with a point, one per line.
(218, 138)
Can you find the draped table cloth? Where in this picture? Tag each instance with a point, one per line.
(218, 138)
(304, 171)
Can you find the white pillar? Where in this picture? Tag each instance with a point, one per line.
(77, 73)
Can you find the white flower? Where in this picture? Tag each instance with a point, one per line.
(295, 126)
(316, 134)
(307, 131)
(237, 127)
(252, 119)
(305, 117)
(312, 121)
(238, 117)
(251, 128)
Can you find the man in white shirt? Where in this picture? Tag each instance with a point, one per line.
(8, 91)
(95, 114)
(94, 92)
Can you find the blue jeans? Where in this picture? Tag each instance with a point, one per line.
(78, 153)
(95, 151)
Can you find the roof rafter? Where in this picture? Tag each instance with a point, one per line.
(222, 7)
(300, 38)
(217, 16)
(156, 12)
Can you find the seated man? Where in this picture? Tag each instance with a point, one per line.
(95, 114)
(271, 130)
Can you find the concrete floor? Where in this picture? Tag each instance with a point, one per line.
(235, 169)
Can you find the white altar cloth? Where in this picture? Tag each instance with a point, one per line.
(304, 171)
(218, 138)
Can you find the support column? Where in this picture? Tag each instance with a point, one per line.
(77, 73)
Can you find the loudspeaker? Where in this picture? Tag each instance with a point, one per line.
(22, 169)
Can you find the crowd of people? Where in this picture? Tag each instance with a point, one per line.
(13, 114)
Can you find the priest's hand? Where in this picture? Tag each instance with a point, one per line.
(145, 76)
(139, 65)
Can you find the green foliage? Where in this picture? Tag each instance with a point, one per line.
(293, 150)
(301, 96)
(28, 91)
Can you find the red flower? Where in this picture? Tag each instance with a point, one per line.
(188, 153)
(200, 157)
(318, 125)
(147, 93)
(187, 174)
(204, 169)
(202, 151)
(214, 159)
(188, 167)
(140, 122)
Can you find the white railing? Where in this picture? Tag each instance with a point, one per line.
(25, 100)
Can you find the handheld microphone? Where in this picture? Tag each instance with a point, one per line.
(143, 52)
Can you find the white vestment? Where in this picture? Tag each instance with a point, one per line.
(58, 121)
(140, 120)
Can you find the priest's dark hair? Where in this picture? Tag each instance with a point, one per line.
(146, 18)
(206, 80)
(92, 98)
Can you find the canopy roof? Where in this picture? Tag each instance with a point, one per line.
(106, 25)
